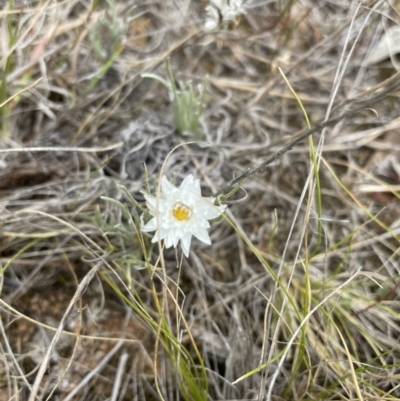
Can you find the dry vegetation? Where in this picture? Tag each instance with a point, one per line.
(298, 295)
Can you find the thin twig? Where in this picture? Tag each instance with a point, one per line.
(63, 149)
(118, 377)
(79, 292)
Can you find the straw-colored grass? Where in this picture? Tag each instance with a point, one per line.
(298, 296)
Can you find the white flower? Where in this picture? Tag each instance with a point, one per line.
(212, 20)
(222, 11)
(182, 212)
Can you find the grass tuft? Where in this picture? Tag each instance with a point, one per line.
(296, 298)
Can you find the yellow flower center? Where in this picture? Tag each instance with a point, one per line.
(181, 212)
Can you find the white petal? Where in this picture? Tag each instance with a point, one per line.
(198, 221)
(151, 202)
(210, 24)
(150, 226)
(159, 235)
(155, 238)
(163, 232)
(190, 190)
(169, 239)
(221, 209)
(196, 187)
(211, 213)
(167, 187)
(187, 183)
(175, 236)
(202, 235)
(185, 244)
(209, 210)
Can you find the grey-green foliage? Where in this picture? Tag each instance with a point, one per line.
(122, 234)
(187, 102)
(107, 35)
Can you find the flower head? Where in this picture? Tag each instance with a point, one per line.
(181, 212)
(222, 11)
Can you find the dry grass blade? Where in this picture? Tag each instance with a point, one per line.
(277, 299)
(77, 296)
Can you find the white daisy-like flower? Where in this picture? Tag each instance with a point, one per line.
(180, 213)
(219, 11)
